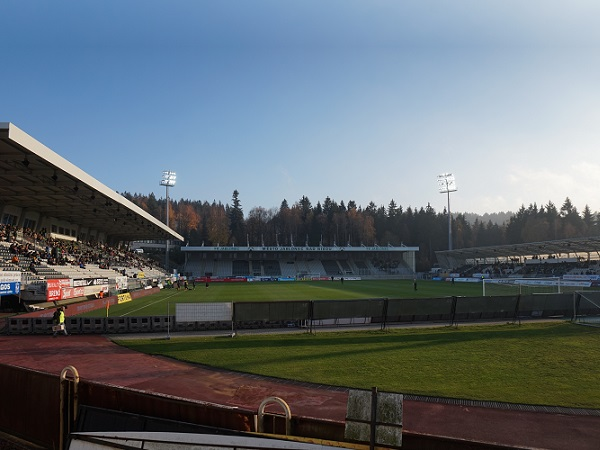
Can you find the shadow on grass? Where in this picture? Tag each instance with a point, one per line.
(355, 343)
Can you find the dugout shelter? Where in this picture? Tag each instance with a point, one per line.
(41, 190)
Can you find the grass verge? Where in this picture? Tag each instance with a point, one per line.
(543, 363)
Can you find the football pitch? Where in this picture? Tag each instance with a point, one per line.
(160, 303)
(535, 363)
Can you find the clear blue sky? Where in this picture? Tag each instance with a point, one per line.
(356, 100)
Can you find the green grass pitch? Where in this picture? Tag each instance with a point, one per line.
(547, 363)
(541, 363)
(156, 305)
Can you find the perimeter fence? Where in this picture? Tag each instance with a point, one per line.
(312, 315)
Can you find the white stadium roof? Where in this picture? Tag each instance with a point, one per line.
(563, 247)
(34, 177)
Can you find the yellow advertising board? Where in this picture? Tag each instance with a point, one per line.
(124, 298)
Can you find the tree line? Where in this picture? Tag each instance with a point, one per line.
(330, 223)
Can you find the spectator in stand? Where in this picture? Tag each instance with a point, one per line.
(58, 252)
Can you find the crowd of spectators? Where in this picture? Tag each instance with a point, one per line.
(385, 265)
(533, 267)
(41, 247)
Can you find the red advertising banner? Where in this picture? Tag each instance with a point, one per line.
(220, 280)
(73, 292)
(54, 288)
(61, 288)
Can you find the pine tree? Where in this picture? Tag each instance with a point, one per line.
(236, 221)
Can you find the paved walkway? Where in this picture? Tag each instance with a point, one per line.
(98, 359)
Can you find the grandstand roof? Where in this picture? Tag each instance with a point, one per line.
(34, 177)
(562, 247)
(302, 249)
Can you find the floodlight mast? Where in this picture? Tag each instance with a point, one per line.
(168, 180)
(447, 184)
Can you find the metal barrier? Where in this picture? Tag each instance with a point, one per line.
(93, 325)
(364, 312)
(211, 325)
(261, 414)
(42, 325)
(116, 325)
(73, 325)
(161, 323)
(19, 326)
(139, 324)
(68, 403)
(185, 326)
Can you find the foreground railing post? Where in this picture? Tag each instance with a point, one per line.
(68, 406)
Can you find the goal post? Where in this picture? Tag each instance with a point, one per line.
(303, 276)
(513, 286)
(586, 308)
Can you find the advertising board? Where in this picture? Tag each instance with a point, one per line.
(10, 288)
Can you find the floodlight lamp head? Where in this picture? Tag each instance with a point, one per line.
(168, 178)
(446, 183)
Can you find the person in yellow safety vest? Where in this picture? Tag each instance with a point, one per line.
(59, 318)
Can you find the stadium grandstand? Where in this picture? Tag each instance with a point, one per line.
(63, 231)
(59, 223)
(300, 262)
(568, 258)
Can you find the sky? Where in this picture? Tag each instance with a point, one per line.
(364, 101)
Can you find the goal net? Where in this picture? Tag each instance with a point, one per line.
(514, 286)
(303, 276)
(586, 308)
